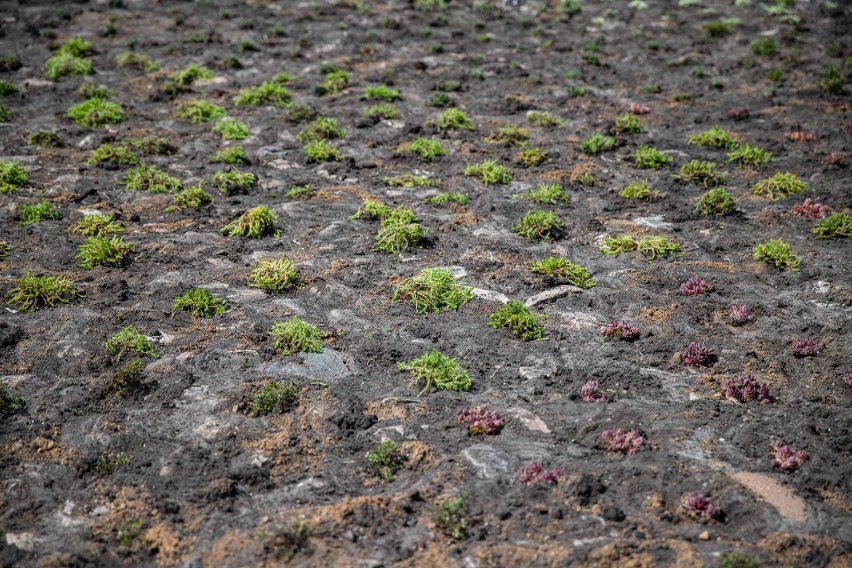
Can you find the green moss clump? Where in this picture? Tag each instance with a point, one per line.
(10, 400)
(199, 110)
(232, 129)
(129, 340)
(274, 397)
(448, 197)
(371, 208)
(450, 518)
(322, 128)
(296, 336)
(531, 157)
(657, 247)
(254, 224)
(538, 225)
(716, 202)
(232, 182)
(649, 157)
(233, 155)
(273, 276)
(103, 251)
(715, 137)
(626, 123)
(432, 290)
(489, 172)
(33, 293)
(5, 250)
(518, 318)
(702, 172)
(190, 198)
(454, 119)
(384, 111)
(335, 82)
(617, 245)
(76, 46)
(597, 143)
(96, 225)
(835, 226)
(41, 211)
(552, 193)
(437, 370)
(392, 238)
(544, 118)
(190, 74)
(200, 303)
(138, 60)
(109, 154)
(749, 155)
(423, 147)
(153, 146)
(321, 151)
(779, 186)
(96, 112)
(62, 64)
(386, 459)
(777, 253)
(127, 379)
(149, 178)
(382, 92)
(562, 269)
(12, 176)
(639, 190)
(509, 135)
(265, 94)
(408, 180)
(45, 139)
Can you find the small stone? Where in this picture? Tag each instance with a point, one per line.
(552, 294)
(528, 419)
(705, 535)
(490, 295)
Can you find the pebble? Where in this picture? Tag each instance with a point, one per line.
(485, 460)
(552, 294)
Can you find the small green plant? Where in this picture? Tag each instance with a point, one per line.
(715, 202)
(103, 251)
(118, 155)
(322, 151)
(33, 293)
(43, 138)
(628, 123)
(721, 27)
(107, 465)
(749, 155)
(736, 560)
(430, 5)
(423, 147)
(254, 224)
(129, 340)
(538, 225)
(702, 172)
(62, 64)
(777, 253)
(649, 157)
(544, 118)
(489, 172)
(149, 178)
(233, 181)
(200, 303)
(273, 276)
(561, 269)
(12, 176)
(296, 336)
(386, 459)
(335, 81)
(96, 225)
(548, 193)
(299, 191)
(779, 186)
(439, 99)
(10, 400)
(190, 198)
(448, 197)
(531, 157)
(5, 250)
(153, 146)
(8, 88)
(384, 111)
(639, 190)
(518, 318)
(715, 138)
(199, 110)
(450, 518)
(232, 155)
(832, 80)
(138, 60)
(392, 238)
(437, 370)
(454, 119)
(432, 290)
(36, 213)
(617, 245)
(657, 247)
(407, 180)
(76, 46)
(597, 143)
(190, 74)
(89, 90)
(274, 397)
(321, 128)
(382, 92)
(764, 46)
(835, 226)
(269, 93)
(232, 129)
(96, 112)
(371, 208)
(509, 134)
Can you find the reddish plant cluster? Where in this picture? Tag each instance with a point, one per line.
(740, 314)
(623, 441)
(620, 329)
(636, 108)
(848, 379)
(737, 113)
(591, 392)
(842, 105)
(811, 209)
(533, 473)
(836, 159)
(799, 136)
(786, 458)
(697, 504)
(849, 128)
(697, 354)
(481, 419)
(746, 389)
(806, 347)
(695, 286)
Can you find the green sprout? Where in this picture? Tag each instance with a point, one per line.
(715, 138)
(657, 247)
(335, 82)
(779, 186)
(12, 176)
(538, 225)
(509, 134)
(129, 340)
(103, 251)
(91, 91)
(489, 172)
(10, 400)
(432, 290)
(43, 138)
(5, 250)
(118, 155)
(586, 178)
(561, 269)
(448, 197)
(233, 155)
(371, 208)
(190, 198)
(548, 193)
(299, 191)
(454, 119)
(62, 64)
(544, 118)
(423, 147)
(106, 465)
(384, 111)
(138, 60)
(437, 370)
(254, 224)
(33, 293)
(76, 46)
(617, 245)
(450, 518)
(764, 46)
(715, 202)
(96, 112)
(321, 151)
(8, 88)
(518, 318)
(531, 157)
(265, 94)
(153, 146)
(628, 123)
(273, 276)
(386, 459)
(639, 190)
(233, 181)
(41, 211)
(701, 172)
(296, 336)
(232, 129)
(200, 303)
(199, 110)
(149, 178)
(274, 397)
(649, 157)
(835, 226)
(382, 92)
(597, 143)
(721, 27)
(190, 74)
(777, 253)
(322, 128)
(408, 180)
(749, 155)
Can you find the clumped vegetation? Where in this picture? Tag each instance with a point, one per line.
(190, 198)
(96, 112)
(715, 137)
(432, 290)
(716, 203)
(129, 340)
(777, 253)
(10, 401)
(702, 172)
(269, 93)
(274, 276)
(233, 181)
(749, 155)
(835, 226)
(233, 155)
(561, 269)
(103, 251)
(386, 460)
(38, 212)
(597, 143)
(149, 178)
(33, 293)
(538, 225)
(448, 197)
(116, 155)
(12, 176)
(489, 172)
(552, 193)
(451, 520)
(255, 224)
(779, 186)
(423, 147)
(544, 118)
(231, 129)
(296, 336)
(649, 157)
(321, 151)
(437, 370)
(200, 303)
(322, 128)
(274, 397)
(518, 318)
(639, 190)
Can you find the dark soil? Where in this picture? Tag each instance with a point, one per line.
(209, 484)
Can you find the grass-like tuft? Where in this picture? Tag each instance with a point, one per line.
(127, 379)
(38, 212)
(518, 318)
(233, 181)
(716, 202)
(448, 197)
(62, 64)
(384, 111)
(437, 370)
(597, 143)
(702, 172)
(538, 225)
(432, 290)
(321, 128)
(254, 224)
(199, 110)
(273, 276)
(399, 231)
(149, 178)
(190, 198)
(320, 151)
(268, 93)
(423, 147)
(648, 157)
(200, 303)
(509, 134)
(274, 397)
(489, 172)
(129, 340)
(835, 226)
(233, 155)
(626, 122)
(43, 138)
(382, 92)
(749, 155)
(96, 112)
(639, 190)
(454, 119)
(617, 245)
(777, 253)
(116, 155)
(190, 74)
(33, 293)
(657, 247)
(296, 336)
(103, 251)
(779, 186)
(552, 193)
(544, 118)
(562, 269)
(12, 176)
(386, 459)
(232, 129)
(138, 60)
(10, 400)
(715, 137)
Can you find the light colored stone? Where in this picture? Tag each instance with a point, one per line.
(654, 222)
(788, 504)
(528, 419)
(552, 294)
(490, 295)
(485, 460)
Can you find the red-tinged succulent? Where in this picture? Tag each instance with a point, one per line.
(836, 159)
(533, 474)
(622, 329)
(737, 113)
(623, 441)
(786, 458)
(696, 504)
(740, 314)
(848, 379)
(842, 105)
(746, 389)
(697, 354)
(806, 347)
(695, 286)
(591, 392)
(799, 136)
(811, 209)
(481, 420)
(636, 108)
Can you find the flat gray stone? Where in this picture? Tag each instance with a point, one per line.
(487, 462)
(552, 294)
(490, 295)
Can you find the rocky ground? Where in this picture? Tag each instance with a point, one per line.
(177, 470)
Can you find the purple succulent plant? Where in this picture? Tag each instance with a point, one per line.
(806, 347)
(533, 473)
(481, 419)
(623, 441)
(746, 389)
(697, 504)
(740, 314)
(811, 209)
(622, 329)
(695, 286)
(737, 113)
(848, 379)
(591, 392)
(697, 354)
(786, 458)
